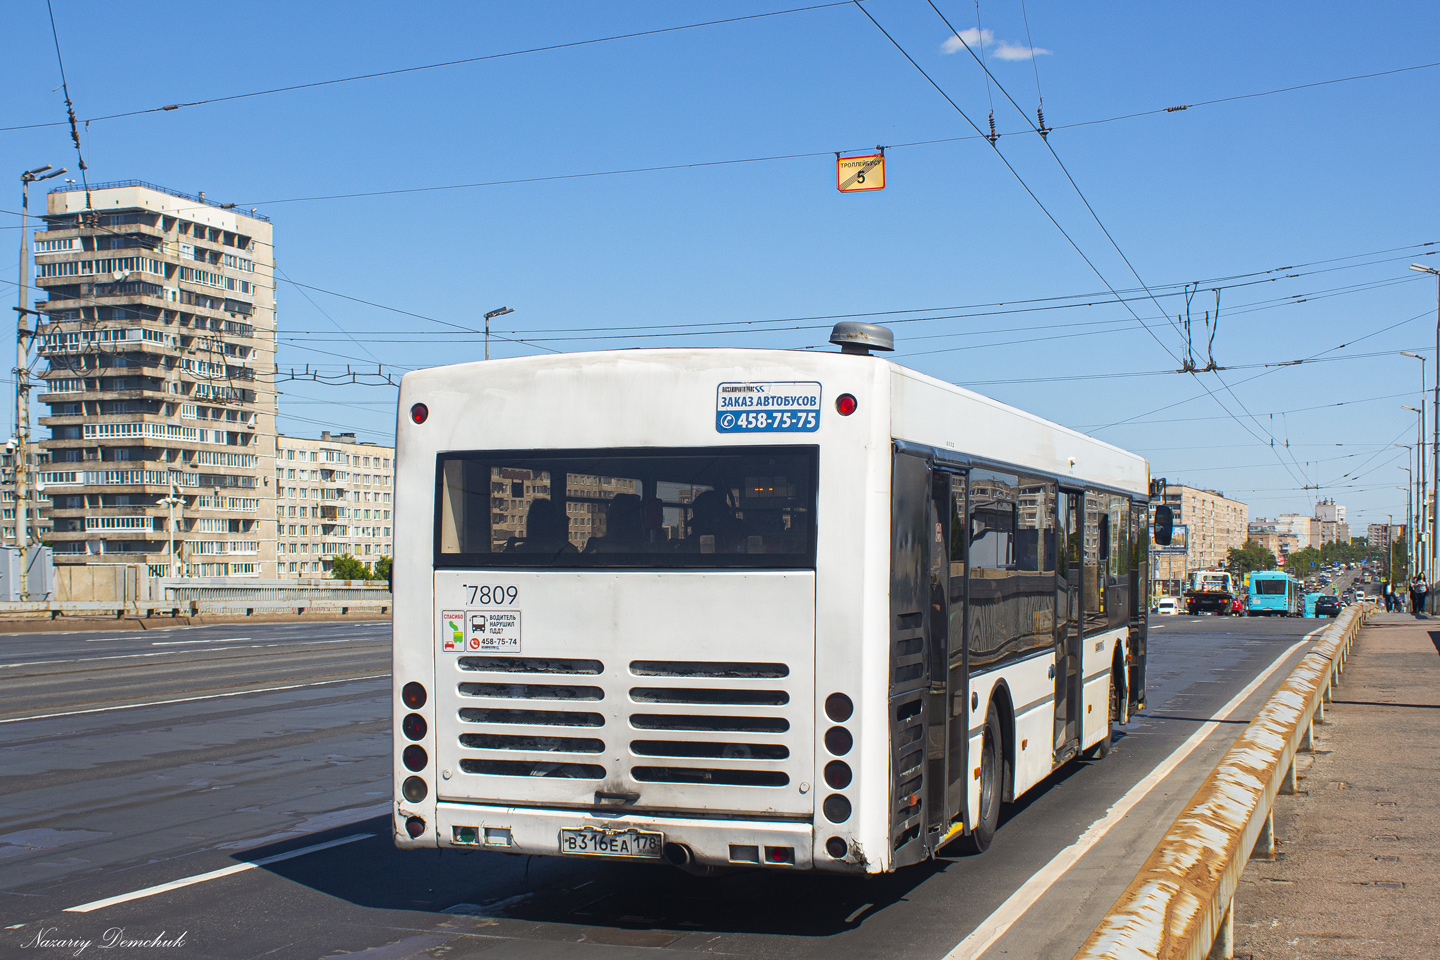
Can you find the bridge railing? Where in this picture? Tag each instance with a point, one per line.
(1181, 903)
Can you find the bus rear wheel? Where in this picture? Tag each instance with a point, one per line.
(992, 757)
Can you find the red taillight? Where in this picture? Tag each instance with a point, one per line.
(845, 404)
(419, 413)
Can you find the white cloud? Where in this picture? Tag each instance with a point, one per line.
(1011, 51)
(1003, 49)
(972, 38)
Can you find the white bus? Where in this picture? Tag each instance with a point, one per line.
(721, 607)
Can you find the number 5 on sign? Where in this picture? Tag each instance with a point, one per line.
(857, 174)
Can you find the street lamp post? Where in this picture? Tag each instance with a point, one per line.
(1427, 534)
(22, 369)
(1435, 428)
(498, 312)
(1422, 533)
(1409, 525)
(172, 501)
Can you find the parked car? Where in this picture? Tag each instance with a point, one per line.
(1237, 606)
(1167, 606)
(1327, 606)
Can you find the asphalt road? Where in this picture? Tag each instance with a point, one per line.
(132, 761)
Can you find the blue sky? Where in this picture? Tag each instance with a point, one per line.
(1314, 179)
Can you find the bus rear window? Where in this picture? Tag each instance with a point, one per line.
(1269, 586)
(691, 508)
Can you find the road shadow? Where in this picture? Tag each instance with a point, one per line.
(644, 904)
(1435, 639)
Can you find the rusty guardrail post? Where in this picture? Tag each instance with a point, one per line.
(1181, 903)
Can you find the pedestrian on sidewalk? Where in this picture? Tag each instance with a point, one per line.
(1417, 597)
(1389, 594)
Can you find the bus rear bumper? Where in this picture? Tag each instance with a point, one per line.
(706, 842)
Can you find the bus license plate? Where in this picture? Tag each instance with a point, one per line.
(611, 843)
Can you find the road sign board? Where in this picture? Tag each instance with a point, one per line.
(858, 174)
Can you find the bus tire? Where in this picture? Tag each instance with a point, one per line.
(992, 784)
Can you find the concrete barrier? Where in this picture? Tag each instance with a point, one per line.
(218, 597)
(1180, 904)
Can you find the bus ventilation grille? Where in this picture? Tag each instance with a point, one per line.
(741, 761)
(562, 754)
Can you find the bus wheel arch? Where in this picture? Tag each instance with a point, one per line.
(1005, 710)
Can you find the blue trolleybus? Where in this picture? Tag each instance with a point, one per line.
(1274, 592)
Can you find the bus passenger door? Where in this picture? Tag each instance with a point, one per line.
(950, 663)
(1069, 623)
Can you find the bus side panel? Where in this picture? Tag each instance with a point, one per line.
(909, 626)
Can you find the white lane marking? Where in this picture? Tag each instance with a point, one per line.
(173, 643)
(103, 639)
(995, 926)
(213, 875)
(208, 696)
(165, 653)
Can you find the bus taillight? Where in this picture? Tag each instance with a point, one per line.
(414, 789)
(845, 404)
(413, 695)
(419, 413)
(415, 758)
(414, 726)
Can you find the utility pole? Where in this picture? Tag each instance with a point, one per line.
(22, 381)
(1435, 435)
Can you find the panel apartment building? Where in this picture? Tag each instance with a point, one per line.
(334, 498)
(158, 335)
(1214, 524)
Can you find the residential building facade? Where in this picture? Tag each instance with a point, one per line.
(334, 498)
(1214, 524)
(158, 339)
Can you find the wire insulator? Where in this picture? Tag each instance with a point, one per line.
(1040, 115)
(993, 135)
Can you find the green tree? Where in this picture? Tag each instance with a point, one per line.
(382, 569)
(1252, 556)
(1399, 563)
(347, 567)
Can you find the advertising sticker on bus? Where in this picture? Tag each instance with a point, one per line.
(480, 631)
(494, 631)
(787, 407)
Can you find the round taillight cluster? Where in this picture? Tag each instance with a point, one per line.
(845, 404)
(839, 741)
(419, 413)
(414, 756)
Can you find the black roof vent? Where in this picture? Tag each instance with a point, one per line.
(860, 338)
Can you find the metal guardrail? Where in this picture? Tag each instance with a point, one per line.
(1181, 903)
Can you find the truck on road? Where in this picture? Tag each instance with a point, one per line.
(1210, 591)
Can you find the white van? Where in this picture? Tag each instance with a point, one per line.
(1167, 606)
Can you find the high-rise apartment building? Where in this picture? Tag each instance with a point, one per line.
(158, 337)
(1213, 525)
(335, 498)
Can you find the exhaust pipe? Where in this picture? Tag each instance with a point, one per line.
(677, 854)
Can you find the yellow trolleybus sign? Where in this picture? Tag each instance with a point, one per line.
(855, 174)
